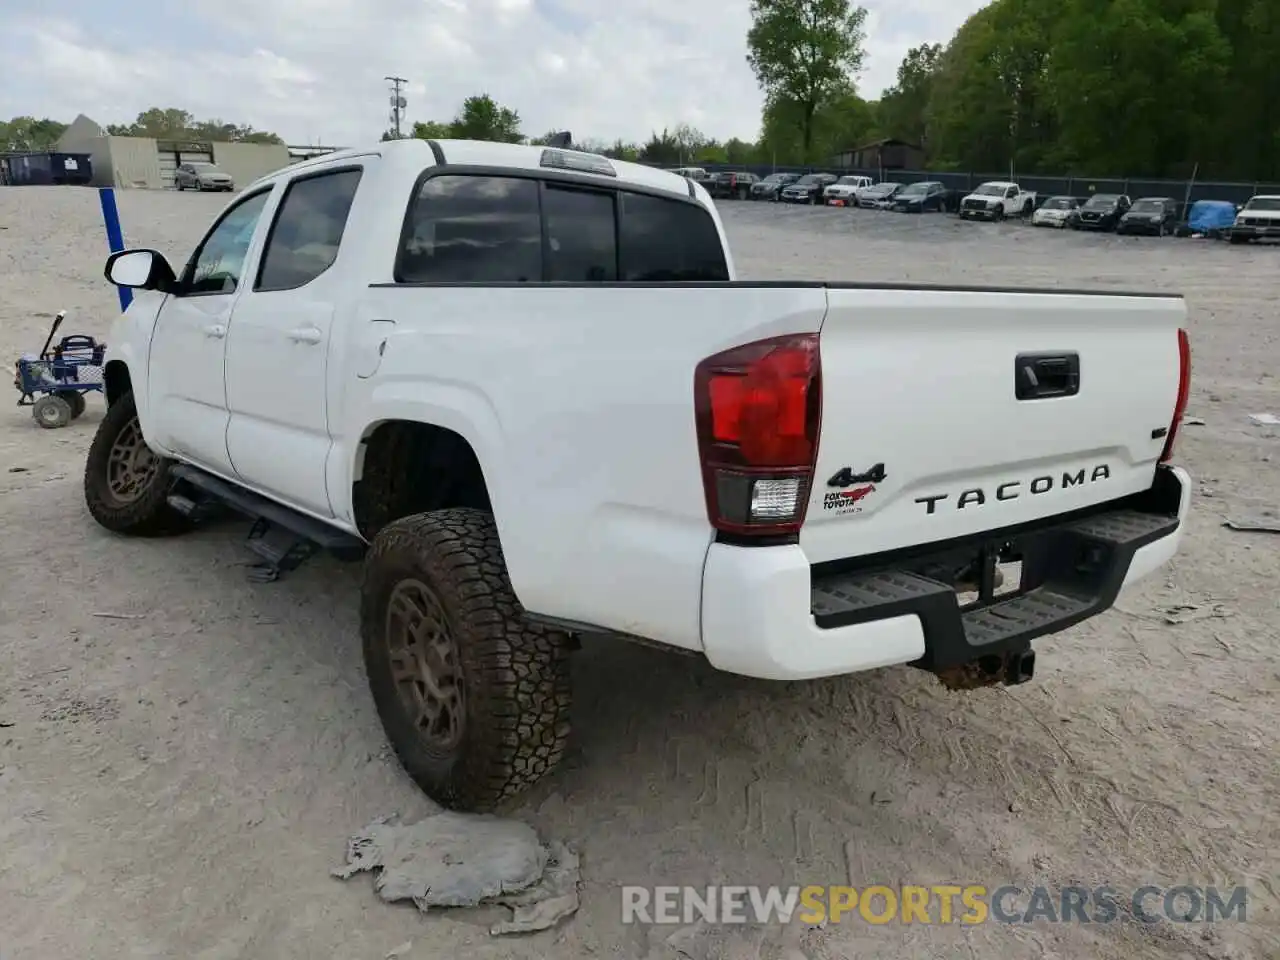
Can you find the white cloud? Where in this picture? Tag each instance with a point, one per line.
(312, 70)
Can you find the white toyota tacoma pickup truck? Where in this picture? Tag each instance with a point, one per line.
(526, 388)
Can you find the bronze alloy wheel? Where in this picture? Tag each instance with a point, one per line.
(425, 666)
(131, 466)
(126, 485)
(474, 696)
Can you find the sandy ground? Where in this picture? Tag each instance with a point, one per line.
(177, 781)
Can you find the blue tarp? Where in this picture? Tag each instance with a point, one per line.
(1209, 215)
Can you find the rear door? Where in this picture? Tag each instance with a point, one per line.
(948, 413)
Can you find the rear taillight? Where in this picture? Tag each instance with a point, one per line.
(1184, 392)
(758, 409)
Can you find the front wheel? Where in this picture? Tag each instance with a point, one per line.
(51, 411)
(474, 698)
(126, 484)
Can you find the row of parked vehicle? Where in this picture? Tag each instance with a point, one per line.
(996, 200)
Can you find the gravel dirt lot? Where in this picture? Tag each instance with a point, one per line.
(178, 779)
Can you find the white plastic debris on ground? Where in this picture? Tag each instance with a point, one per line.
(468, 860)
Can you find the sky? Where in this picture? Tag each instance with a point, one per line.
(313, 70)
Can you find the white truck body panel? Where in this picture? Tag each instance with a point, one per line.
(577, 400)
(892, 348)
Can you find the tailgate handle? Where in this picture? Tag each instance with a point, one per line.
(1038, 376)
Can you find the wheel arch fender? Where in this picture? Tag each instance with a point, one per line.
(463, 410)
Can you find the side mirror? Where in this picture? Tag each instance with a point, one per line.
(140, 270)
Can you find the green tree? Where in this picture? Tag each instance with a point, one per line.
(842, 122)
(428, 130)
(28, 133)
(904, 106)
(1137, 81)
(171, 123)
(805, 53)
(1248, 132)
(621, 150)
(662, 149)
(483, 118)
(992, 103)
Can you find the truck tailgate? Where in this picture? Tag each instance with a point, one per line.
(925, 436)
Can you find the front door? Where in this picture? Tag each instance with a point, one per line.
(278, 437)
(186, 390)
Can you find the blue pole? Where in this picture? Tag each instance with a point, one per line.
(115, 238)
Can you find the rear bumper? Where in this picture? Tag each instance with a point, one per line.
(767, 613)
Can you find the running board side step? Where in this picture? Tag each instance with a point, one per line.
(282, 538)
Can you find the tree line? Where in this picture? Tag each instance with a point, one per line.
(1132, 88)
(1155, 88)
(162, 123)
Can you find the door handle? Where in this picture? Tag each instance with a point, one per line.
(306, 335)
(1039, 376)
(215, 331)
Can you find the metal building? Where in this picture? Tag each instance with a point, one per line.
(149, 163)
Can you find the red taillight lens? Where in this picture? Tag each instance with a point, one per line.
(1184, 393)
(759, 408)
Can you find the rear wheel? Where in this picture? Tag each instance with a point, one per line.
(126, 484)
(474, 698)
(76, 399)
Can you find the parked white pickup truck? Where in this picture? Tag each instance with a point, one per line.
(997, 200)
(526, 387)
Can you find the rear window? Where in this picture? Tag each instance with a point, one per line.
(476, 229)
(665, 240)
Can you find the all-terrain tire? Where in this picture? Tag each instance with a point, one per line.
(513, 674)
(146, 514)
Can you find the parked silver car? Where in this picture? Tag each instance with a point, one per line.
(201, 176)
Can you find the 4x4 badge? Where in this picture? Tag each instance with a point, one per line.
(845, 477)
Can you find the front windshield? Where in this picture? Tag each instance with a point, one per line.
(808, 178)
(880, 189)
(914, 190)
(847, 181)
(1057, 203)
(1263, 203)
(1102, 200)
(1147, 206)
(990, 190)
